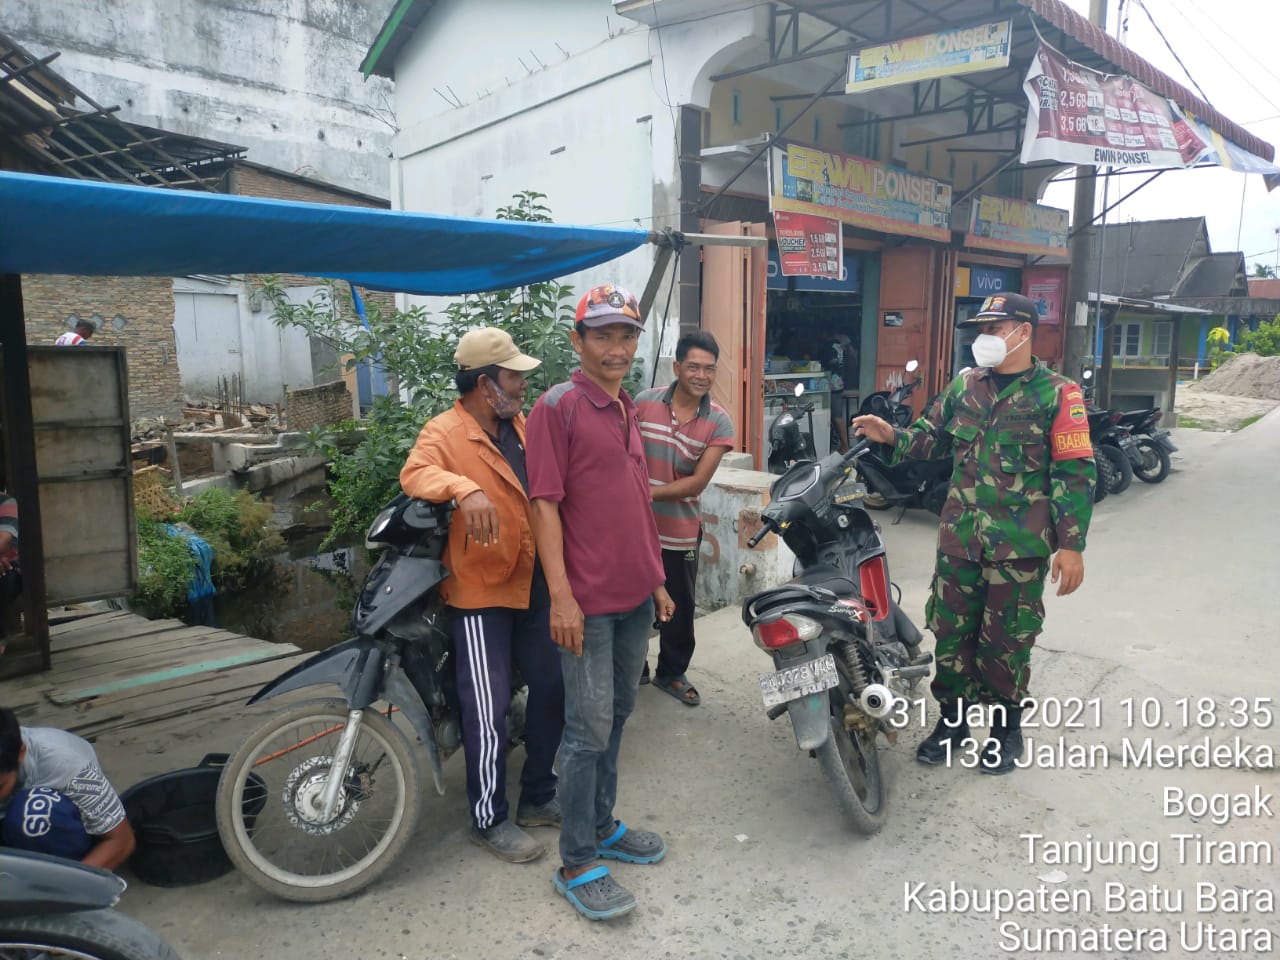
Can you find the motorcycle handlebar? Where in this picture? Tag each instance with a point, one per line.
(759, 535)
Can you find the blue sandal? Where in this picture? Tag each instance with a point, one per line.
(631, 846)
(595, 894)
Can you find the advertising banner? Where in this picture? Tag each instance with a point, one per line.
(1047, 287)
(859, 192)
(943, 54)
(1016, 226)
(1080, 116)
(809, 246)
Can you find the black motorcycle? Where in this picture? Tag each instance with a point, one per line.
(323, 796)
(53, 908)
(1113, 446)
(892, 405)
(788, 444)
(1151, 445)
(844, 653)
(910, 482)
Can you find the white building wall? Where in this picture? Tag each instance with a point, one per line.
(592, 126)
(220, 335)
(280, 77)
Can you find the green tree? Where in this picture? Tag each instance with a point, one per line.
(1265, 341)
(1262, 271)
(416, 350)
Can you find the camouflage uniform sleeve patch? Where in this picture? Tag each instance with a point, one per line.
(1069, 434)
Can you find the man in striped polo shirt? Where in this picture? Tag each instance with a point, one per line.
(685, 435)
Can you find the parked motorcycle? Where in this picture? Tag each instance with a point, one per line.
(787, 443)
(911, 482)
(54, 908)
(323, 796)
(1113, 444)
(1104, 464)
(844, 653)
(892, 405)
(1152, 446)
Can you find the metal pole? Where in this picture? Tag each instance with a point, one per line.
(1076, 336)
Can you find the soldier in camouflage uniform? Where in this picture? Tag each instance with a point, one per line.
(1021, 493)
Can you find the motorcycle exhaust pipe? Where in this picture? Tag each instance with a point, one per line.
(877, 701)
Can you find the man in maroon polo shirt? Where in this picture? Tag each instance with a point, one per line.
(598, 544)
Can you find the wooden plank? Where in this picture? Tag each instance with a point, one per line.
(226, 691)
(68, 621)
(158, 676)
(252, 676)
(114, 632)
(126, 657)
(158, 659)
(96, 375)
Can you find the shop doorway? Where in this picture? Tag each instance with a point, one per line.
(813, 332)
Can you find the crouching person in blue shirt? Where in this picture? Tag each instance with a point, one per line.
(55, 799)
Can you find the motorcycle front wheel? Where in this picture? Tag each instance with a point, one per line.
(1155, 462)
(83, 935)
(268, 805)
(851, 765)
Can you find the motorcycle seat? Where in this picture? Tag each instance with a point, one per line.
(826, 577)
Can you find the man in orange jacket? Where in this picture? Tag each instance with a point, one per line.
(496, 592)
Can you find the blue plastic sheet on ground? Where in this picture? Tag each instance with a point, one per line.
(202, 582)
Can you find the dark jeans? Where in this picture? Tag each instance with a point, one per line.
(599, 693)
(487, 643)
(675, 637)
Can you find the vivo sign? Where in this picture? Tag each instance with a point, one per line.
(983, 282)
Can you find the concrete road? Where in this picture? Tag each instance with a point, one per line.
(1180, 601)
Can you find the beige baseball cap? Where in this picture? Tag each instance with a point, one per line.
(489, 346)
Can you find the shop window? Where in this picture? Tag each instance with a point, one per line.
(1161, 340)
(1126, 338)
(737, 108)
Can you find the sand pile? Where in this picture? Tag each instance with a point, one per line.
(1245, 375)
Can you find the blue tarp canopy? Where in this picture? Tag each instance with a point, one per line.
(55, 225)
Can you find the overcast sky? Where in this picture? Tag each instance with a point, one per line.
(1229, 48)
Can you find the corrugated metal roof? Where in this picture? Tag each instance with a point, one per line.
(1145, 258)
(1217, 275)
(42, 118)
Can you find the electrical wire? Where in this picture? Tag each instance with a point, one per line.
(1225, 59)
(1214, 23)
(1167, 44)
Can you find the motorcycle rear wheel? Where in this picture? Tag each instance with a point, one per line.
(851, 764)
(271, 831)
(1121, 467)
(1155, 462)
(82, 935)
(1106, 474)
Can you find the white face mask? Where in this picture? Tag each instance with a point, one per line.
(990, 350)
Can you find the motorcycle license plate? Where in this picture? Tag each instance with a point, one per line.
(799, 681)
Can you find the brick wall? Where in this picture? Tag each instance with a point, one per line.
(322, 406)
(146, 303)
(251, 181)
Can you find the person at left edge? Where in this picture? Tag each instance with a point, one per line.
(496, 593)
(55, 799)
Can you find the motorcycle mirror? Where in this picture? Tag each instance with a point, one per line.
(911, 366)
(799, 391)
